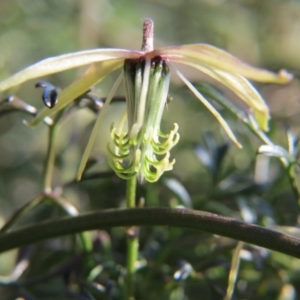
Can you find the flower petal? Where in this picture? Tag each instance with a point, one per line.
(94, 74)
(243, 89)
(212, 57)
(210, 108)
(64, 62)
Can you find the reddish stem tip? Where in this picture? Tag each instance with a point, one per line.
(148, 35)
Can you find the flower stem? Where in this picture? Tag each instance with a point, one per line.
(132, 239)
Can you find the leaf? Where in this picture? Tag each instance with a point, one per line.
(212, 57)
(94, 74)
(274, 150)
(93, 136)
(179, 190)
(215, 113)
(65, 62)
(235, 263)
(243, 89)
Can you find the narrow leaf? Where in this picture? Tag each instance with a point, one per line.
(235, 263)
(94, 74)
(179, 190)
(211, 109)
(274, 150)
(93, 136)
(243, 89)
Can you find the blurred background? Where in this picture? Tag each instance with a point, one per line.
(262, 33)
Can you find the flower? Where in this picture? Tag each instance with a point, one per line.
(146, 76)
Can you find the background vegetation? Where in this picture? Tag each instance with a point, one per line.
(209, 174)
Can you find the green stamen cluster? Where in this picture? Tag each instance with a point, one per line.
(140, 151)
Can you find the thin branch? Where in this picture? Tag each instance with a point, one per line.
(195, 220)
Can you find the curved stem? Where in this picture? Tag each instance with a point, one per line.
(23, 211)
(132, 239)
(183, 218)
(63, 204)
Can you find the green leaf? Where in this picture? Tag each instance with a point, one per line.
(94, 74)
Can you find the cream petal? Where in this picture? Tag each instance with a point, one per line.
(243, 89)
(212, 57)
(65, 62)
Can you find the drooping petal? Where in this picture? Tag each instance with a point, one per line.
(95, 130)
(94, 74)
(209, 56)
(210, 108)
(244, 89)
(65, 62)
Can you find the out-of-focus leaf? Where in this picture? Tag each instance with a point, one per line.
(179, 190)
(95, 272)
(184, 271)
(213, 154)
(287, 292)
(248, 214)
(204, 156)
(234, 269)
(275, 150)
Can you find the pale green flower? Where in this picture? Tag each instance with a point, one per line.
(144, 150)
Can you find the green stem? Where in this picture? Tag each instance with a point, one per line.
(132, 240)
(68, 208)
(290, 169)
(23, 211)
(50, 156)
(50, 159)
(182, 218)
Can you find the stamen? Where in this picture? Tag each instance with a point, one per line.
(143, 95)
